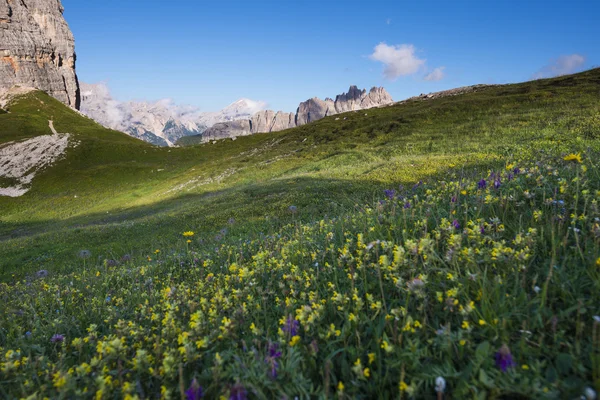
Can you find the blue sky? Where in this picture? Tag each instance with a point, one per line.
(211, 53)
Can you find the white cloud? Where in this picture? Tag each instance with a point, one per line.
(398, 60)
(563, 65)
(435, 75)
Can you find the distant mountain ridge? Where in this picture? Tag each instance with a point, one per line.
(162, 122)
(308, 111)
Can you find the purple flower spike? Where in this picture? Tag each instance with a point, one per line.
(504, 359)
(291, 326)
(273, 354)
(195, 391)
(482, 184)
(57, 338)
(497, 184)
(238, 392)
(390, 193)
(482, 229)
(407, 204)
(456, 224)
(517, 171)
(453, 199)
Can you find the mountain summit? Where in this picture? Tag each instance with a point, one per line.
(37, 49)
(308, 111)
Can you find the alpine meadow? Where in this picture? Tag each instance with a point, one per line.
(442, 247)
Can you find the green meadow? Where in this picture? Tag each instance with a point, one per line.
(364, 255)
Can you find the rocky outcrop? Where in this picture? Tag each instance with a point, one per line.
(448, 93)
(308, 111)
(224, 130)
(37, 49)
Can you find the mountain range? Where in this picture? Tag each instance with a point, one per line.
(161, 122)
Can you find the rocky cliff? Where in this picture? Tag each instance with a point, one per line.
(37, 49)
(308, 111)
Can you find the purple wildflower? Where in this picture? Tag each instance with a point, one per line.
(482, 229)
(417, 185)
(456, 224)
(482, 184)
(195, 391)
(238, 392)
(497, 184)
(57, 338)
(510, 176)
(273, 354)
(517, 171)
(453, 199)
(390, 193)
(291, 326)
(293, 209)
(504, 359)
(407, 204)
(42, 273)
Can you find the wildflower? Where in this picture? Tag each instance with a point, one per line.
(497, 184)
(573, 157)
(340, 387)
(407, 205)
(415, 284)
(44, 273)
(482, 322)
(295, 340)
(367, 372)
(403, 386)
(291, 326)
(387, 347)
(293, 209)
(390, 193)
(504, 359)
(465, 325)
(440, 384)
(273, 354)
(371, 358)
(589, 394)
(195, 391)
(238, 392)
(28, 334)
(482, 184)
(57, 338)
(537, 289)
(188, 234)
(84, 254)
(598, 262)
(453, 199)
(456, 224)
(525, 367)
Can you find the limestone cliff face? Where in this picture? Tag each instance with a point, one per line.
(37, 49)
(308, 111)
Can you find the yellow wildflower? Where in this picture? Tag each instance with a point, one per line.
(371, 357)
(295, 340)
(573, 157)
(402, 386)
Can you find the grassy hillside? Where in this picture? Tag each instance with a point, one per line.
(113, 192)
(302, 276)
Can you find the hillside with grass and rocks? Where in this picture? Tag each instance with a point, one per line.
(446, 246)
